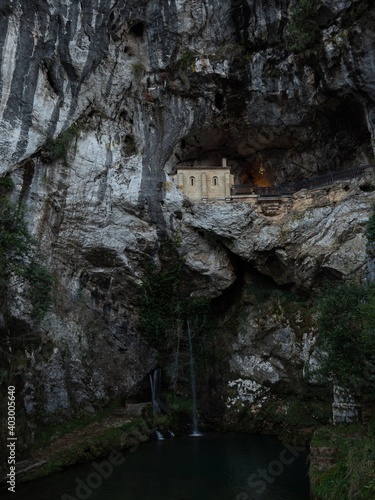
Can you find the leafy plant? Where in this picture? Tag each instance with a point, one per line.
(356, 12)
(57, 149)
(370, 229)
(303, 31)
(352, 476)
(160, 302)
(346, 334)
(40, 282)
(186, 60)
(138, 70)
(20, 264)
(53, 431)
(166, 306)
(179, 404)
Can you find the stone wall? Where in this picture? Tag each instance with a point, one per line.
(205, 184)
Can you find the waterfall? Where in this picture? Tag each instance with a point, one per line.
(159, 436)
(193, 389)
(155, 382)
(157, 405)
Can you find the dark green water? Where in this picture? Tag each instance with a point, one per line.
(213, 467)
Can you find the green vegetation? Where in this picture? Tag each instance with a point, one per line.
(291, 308)
(261, 290)
(20, 264)
(292, 412)
(100, 444)
(370, 229)
(23, 279)
(138, 70)
(303, 31)
(346, 334)
(51, 432)
(248, 56)
(181, 408)
(178, 404)
(130, 146)
(344, 314)
(40, 286)
(264, 288)
(57, 149)
(356, 12)
(186, 60)
(161, 305)
(165, 304)
(353, 474)
(6, 10)
(165, 310)
(184, 66)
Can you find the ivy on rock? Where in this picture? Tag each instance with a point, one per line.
(166, 305)
(303, 30)
(346, 334)
(21, 268)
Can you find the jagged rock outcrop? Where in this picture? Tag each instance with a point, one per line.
(272, 340)
(99, 102)
(322, 235)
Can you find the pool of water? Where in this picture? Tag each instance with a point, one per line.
(228, 466)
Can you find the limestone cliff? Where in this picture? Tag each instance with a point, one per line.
(100, 100)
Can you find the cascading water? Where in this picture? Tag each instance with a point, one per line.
(155, 383)
(193, 389)
(159, 436)
(157, 404)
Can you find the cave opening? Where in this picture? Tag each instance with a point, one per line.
(335, 138)
(137, 30)
(219, 100)
(349, 116)
(347, 132)
(206, 148)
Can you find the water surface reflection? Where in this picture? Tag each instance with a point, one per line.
(229, 466)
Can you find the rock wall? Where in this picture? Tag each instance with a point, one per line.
(99, 103)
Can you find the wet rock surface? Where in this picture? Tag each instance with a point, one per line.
(101, 101)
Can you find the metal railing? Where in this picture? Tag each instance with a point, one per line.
(290, 189)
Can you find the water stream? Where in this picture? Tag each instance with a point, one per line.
(193, 386)
(155, 384)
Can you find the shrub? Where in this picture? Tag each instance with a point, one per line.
(57, 149)
(356, 12)
(186, 60)
(303, 31)
(138, 70)
(346, 334)
(166, 306)
(20, 263)
(160, 303)
(370, 229)
(352, 476)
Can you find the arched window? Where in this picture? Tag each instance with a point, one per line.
(192, 180)
(215, 181)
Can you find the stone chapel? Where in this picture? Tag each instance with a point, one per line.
(203, 183)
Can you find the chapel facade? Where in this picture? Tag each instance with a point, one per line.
(205, 183)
